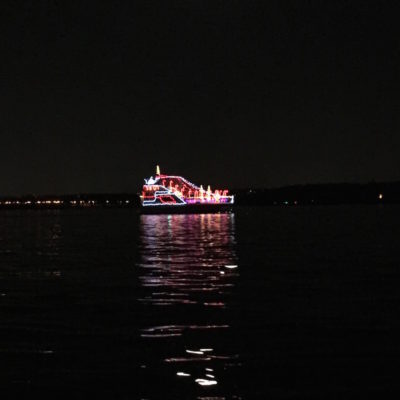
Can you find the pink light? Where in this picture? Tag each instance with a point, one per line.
(180, 191)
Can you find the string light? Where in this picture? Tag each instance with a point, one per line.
(176, 190)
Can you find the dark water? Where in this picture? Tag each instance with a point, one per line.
(277, 303)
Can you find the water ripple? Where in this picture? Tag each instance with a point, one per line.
(188, 267)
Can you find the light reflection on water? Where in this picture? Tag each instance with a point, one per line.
(107, 304)
(187, 271)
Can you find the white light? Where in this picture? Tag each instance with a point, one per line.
(206, 382)
(231, 266)
(150, 181)
(182, 374)
(194, 352)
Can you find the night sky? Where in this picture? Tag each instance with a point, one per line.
(228, 93)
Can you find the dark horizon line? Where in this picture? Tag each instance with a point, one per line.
(233, 190)
(300, 194)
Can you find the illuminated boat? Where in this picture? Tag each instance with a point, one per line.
(175, 194)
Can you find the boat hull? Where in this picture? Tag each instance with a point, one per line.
(187, 209)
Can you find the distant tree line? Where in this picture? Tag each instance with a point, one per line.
(311, 194)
